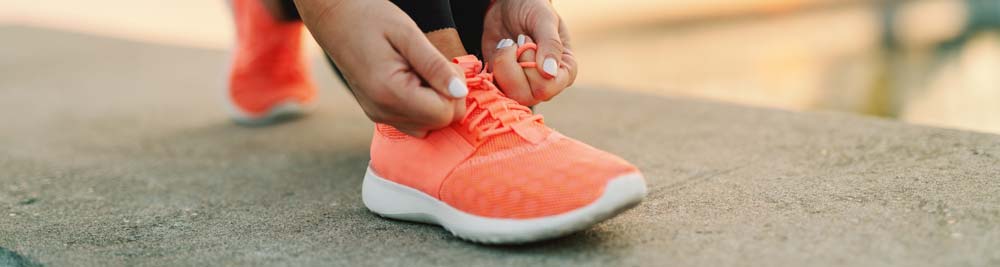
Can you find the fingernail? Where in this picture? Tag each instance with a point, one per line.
(457, 88)
(505, 43)
(520, 39)
(550, 66)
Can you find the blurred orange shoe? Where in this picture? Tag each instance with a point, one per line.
(269, 80)
(498, 176)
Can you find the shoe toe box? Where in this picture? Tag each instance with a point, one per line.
(519, 183)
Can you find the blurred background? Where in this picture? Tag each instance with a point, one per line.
(932, 62)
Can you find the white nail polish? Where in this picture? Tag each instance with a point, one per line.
(457, 88)
(520, 39)
(505, 43)
(550, 66)
(500, 43)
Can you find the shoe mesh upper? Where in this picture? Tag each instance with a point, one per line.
(507, 178)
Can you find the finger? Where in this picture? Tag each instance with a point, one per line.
(568, 58)
(428, 62)
(458, 104)
(542, 88)
(459, 110)
(569, 66)
(422, 109)
(550, 46)
(509, 75)
(491, 51)
(420, 129)
(554, 86)
(405, 103)
(526, 46)
(489, 47)
(381, 97)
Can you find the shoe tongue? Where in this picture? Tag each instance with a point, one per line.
(476, 92)
(480, 86)
(489, 99)
(531, 131)
(470, 64)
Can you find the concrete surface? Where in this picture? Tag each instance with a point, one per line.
(119, 153)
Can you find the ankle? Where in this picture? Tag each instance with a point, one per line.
(448, 42)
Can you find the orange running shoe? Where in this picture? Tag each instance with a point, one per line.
(499, 176)
(269, 80)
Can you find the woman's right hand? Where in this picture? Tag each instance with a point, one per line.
(394, 72)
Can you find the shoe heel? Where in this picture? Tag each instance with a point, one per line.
(391, 200)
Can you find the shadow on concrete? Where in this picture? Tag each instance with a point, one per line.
(10, 258)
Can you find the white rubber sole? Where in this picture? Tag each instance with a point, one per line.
(392, 200)
(278, 113)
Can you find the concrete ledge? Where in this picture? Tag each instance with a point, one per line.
(119, 153)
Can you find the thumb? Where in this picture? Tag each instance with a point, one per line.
(550, 46)
(428, 62)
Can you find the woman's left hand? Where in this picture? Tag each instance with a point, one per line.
(537, 21)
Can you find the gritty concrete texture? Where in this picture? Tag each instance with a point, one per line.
(119, 153)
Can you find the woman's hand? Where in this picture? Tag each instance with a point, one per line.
(394, 72)
(538, 22)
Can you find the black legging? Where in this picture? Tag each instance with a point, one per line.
(465, 16)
